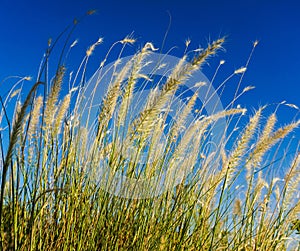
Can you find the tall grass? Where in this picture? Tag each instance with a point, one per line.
(52, 199)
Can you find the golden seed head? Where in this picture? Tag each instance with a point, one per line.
(293, 106)
(16, 92)
(128, 40)
(240, 70)
(248, 88)
(90, 50)
(200, 84)
(187, 42)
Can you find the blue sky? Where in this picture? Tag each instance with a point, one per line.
(25, 27)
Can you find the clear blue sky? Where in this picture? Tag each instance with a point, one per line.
(26, 25)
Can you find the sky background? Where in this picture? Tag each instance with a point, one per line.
(26, 26)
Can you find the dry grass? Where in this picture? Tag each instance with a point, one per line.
(51, 198)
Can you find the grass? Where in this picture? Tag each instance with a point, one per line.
(52, 198)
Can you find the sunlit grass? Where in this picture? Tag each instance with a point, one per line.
(52, 198)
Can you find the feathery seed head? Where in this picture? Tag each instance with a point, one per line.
(240, 70)
(53, 96)
(35, 116)
(128, 40)
(209, 51)
(16, 92)
(265, 143)
(61, 113)
(242, 144)
(90, 50)
(27, 78)
(292, 106)
(200, 84)
(248, 88)
(255, 43)
(187, 42)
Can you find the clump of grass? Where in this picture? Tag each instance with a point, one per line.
(52, 199)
